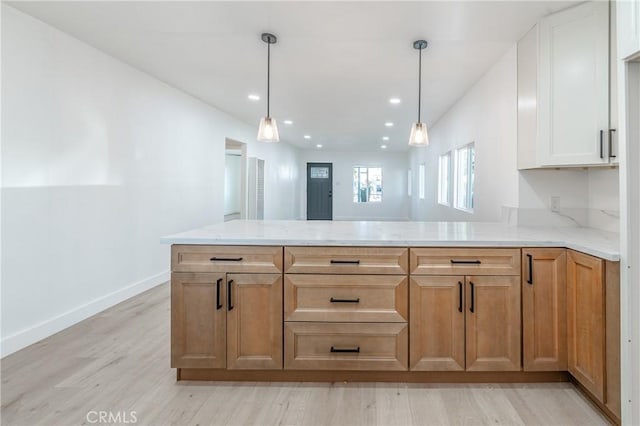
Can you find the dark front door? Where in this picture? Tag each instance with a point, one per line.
(319, 191)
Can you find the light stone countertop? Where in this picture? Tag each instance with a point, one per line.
(419, 234)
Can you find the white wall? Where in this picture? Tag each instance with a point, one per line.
(487, 116)
(395, 202)
(98, 161)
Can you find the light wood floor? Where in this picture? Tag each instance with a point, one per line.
(118, 361)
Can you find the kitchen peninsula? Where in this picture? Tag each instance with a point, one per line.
(397, 301)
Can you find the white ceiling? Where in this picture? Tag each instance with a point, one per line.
(334, 68)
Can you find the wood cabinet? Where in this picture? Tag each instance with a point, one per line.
(229, 321)
(628, 21)
(586, 321)
(450, 310)
(593, 326)
(493, 323)
(226, 307)
(254, 321)
(437, 323)
(465, 322)
(198, 322)
(564, 99)
(464, 261)
(346, 260)
(243, 259)
(346, 346)
(346, 298)
(346, 308)
(544, 309)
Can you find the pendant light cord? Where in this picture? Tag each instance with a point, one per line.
(268, 75)
(419, 82)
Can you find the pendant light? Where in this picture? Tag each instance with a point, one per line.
(268, 130)
(419, 136)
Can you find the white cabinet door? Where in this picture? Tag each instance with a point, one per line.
(628, 28)
(573, 91)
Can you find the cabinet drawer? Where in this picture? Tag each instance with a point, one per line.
(464, 261)
(243, 259)
(345, 346)
(346, 260)
(346, 298)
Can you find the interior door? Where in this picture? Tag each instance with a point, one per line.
(319, 191)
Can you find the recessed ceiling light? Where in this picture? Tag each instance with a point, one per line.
(388, 124)
(254, 97)
(385, 138)
(383, 146)
(307, 137)
(288, 122)
(394, 101)
(318, 146)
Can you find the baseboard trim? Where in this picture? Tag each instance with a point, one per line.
(594, 400)
(203, 374)
(44, 329)
(374, 219)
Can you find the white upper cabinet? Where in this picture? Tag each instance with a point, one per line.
(573, 91)
(628, 28)
(563, 90)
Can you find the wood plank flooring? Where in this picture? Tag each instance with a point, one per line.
(118, 362)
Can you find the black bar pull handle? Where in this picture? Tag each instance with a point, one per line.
(345, 262)
(469, 262)
(601, 143)
(336, 300)
(218, 301)
(345, 350)
(226, 259)
(530, 278)
(473, 297)
(611, 132)
(459, 296)
(229, 298)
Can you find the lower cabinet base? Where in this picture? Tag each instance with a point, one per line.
(603, 408)
(208, 374)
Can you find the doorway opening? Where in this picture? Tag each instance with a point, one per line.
(235, 182)
(319, 191)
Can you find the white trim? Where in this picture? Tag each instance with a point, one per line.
(31, 335)
(375, 219)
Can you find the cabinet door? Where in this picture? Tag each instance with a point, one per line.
(628, 28)
(493, 323)
(573, 90)
(544, 309)
(254, 321)
(585, 321)
(437, 323)
(198, 321)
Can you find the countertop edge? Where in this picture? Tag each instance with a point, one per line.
(614, 257)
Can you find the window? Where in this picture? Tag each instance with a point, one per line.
(444, 179)
(367, 184)
(319, 173)
(409, 179)
(465, 168)
(421, 181)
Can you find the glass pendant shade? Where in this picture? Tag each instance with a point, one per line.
(268, 130)
(419, 136)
